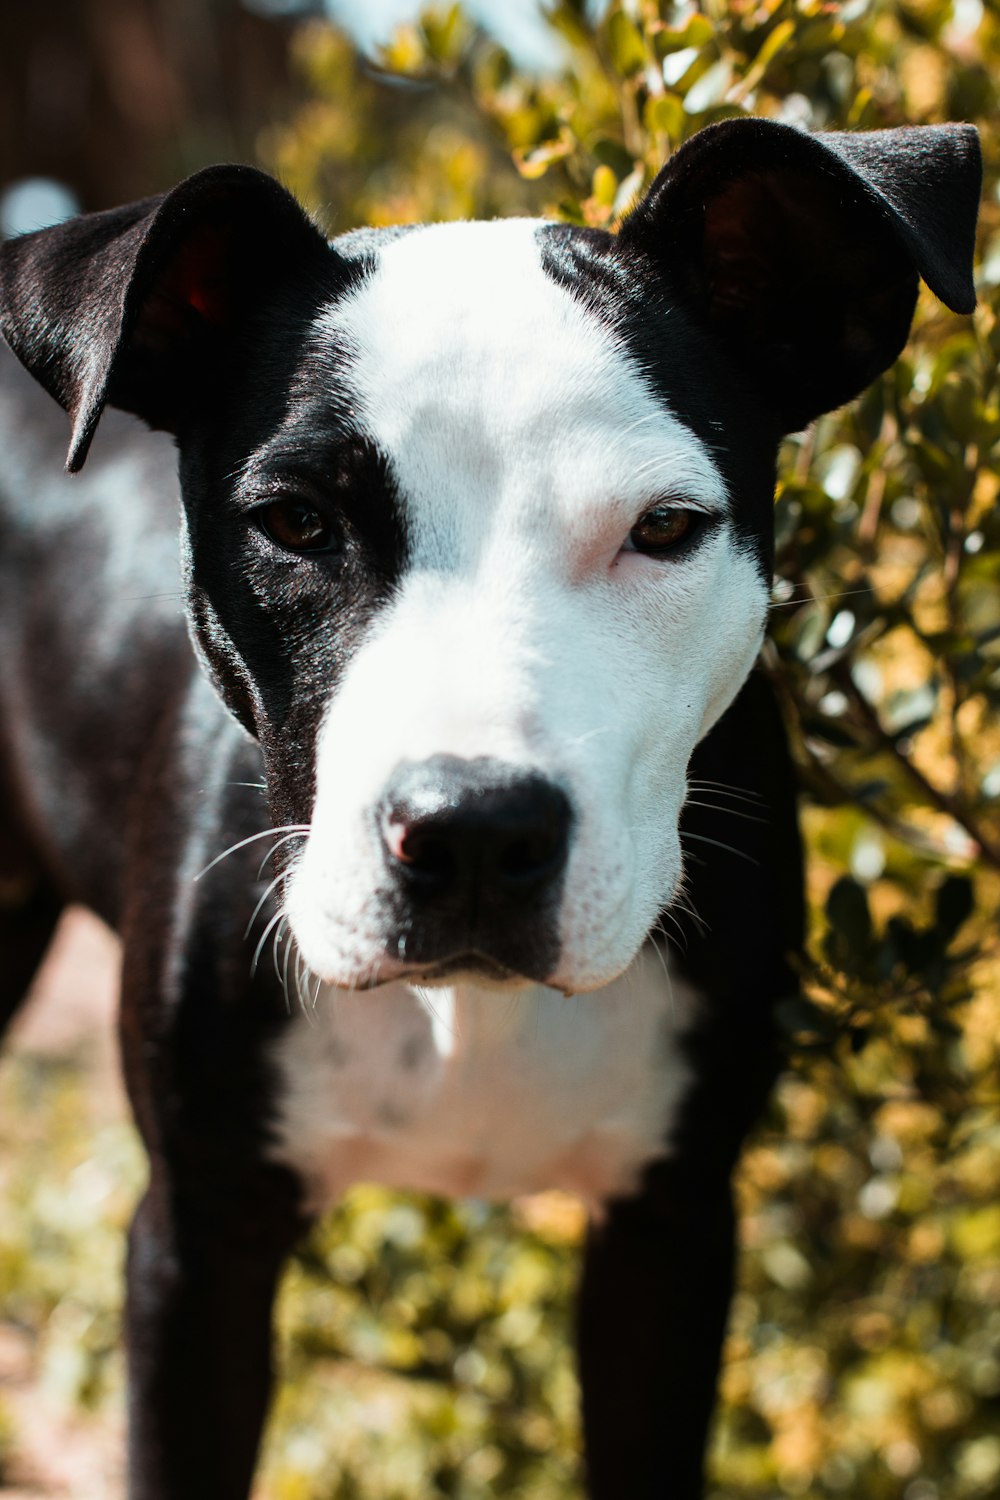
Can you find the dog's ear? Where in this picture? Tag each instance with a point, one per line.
(133, 307)
(802, 253)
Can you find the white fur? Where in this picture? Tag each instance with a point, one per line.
(463, 1091)
(526, 445)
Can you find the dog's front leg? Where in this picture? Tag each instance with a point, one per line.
(658, 1272)
(655, 1294)
(201, 1282)
(219, 1217)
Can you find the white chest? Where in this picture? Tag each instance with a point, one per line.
(475, 1092)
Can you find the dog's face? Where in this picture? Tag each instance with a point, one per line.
(487, 572)
(477, 526)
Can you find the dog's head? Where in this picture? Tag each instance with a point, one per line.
(478, 515)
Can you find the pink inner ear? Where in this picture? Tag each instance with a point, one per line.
(197, 277)
(204, 301)
(769, 237)
(743, 229)
(739, 250)
(195, 282)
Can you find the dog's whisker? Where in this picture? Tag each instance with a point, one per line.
(424, 996)
(284, 974)
(285, 933)
(253, 838)
(679, 935)
(272, 852)
(297, 976)
(303, 977)
(272, 924)
(301, 985)
(731, 812)
(589, 734)
(718, 844)
(243, 467)
(280, 933)
(682, 902)
(661, 461)
(642, 421)
(817, 598)
(148, 598)
(712, 789)
(701, 927)
(665, 966)
(256, 911)
(743, 793)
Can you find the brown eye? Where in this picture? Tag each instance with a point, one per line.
(664, 528)
(297, 526)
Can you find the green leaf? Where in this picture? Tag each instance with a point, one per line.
(848, 914)
(609, 151)
(805, 1022)
(664, 115)
(821, 36)
(776, 42)
(604, 185)
(954, 903)
(697, 33)
(710, 88)
(625, 44)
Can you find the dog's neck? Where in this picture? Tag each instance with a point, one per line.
(465, 1089)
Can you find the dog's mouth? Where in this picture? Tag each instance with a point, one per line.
(472, 966)
(468, 966)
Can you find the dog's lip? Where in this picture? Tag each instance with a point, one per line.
(479, 964)
(472, 964)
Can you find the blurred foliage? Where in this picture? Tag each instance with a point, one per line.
(70, 1173)
(427, 1345)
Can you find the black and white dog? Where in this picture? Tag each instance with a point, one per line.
(477, 550)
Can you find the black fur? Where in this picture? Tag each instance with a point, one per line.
(802, 254)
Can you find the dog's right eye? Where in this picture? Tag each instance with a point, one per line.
(297, 526)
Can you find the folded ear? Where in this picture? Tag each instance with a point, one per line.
(802, 253)
(134, 307)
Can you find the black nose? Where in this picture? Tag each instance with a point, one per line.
(474, 829)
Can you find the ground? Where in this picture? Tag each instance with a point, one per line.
(49, 1444)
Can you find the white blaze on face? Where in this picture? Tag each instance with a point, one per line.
(525, 444)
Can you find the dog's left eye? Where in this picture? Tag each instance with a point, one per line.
(297, 526)
(665, 528)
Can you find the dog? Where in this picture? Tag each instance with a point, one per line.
(476, 554)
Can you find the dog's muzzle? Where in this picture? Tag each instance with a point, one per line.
(476, 853)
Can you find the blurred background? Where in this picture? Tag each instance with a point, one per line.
(427, 1345)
